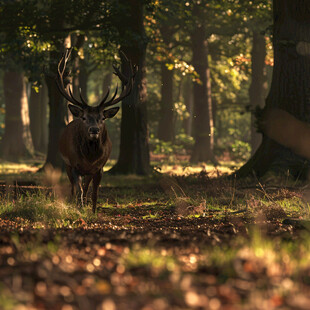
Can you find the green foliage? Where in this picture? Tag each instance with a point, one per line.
(232, 133)
(182, 144)
(241, 151)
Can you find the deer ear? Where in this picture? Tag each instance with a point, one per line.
(77, 112)
(110, 113)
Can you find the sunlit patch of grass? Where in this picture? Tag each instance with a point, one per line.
(146, 257)
(40, 210)
(127, 180)
(278, 208)
(7, 302)
(15, 168)
(295, 206)
(188, 169)
(276, 257)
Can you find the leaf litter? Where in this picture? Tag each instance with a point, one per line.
(179, 243)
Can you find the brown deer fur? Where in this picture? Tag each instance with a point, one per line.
(84, 144)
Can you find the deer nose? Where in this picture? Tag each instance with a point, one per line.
(93, 130)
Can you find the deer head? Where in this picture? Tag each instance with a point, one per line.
(93, 117)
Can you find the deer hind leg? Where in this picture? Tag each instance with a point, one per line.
(96, 181)
(86, 182)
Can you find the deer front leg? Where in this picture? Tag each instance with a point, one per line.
(96, 181)
(86, 182)
(77, 183)
(71, 179)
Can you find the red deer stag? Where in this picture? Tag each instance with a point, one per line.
(84, 144)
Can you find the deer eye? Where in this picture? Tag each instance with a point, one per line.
(84, 118)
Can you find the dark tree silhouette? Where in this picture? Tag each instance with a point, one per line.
(134, 150)
(290, 88)
(202, 116)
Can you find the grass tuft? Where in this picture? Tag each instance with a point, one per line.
(42, 210)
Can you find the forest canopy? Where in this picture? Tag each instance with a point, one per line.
(205, 68)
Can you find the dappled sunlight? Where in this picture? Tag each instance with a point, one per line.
(16, 168)
(187, 169)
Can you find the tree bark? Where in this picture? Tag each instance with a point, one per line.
(43, 119)
(38, 118)
(289, 88)
(166, 130)
(258, 86)
(57, 116)
(203, 118)
(14, 144)
(134, 150)
(166, 121)
(189, 102)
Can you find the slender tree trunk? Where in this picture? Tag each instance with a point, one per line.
(43, 119)
(35, 114)
(107, 81)
(257, 89)
(202, 118)
(83, 78)
(134, 150)
(166, 121)
(189, 102)
(38, 118)
(166, 130)
(14, 144)
(289, 88)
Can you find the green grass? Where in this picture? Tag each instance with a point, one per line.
(42, 210)
(7, 301)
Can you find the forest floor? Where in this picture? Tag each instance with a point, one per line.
(187, 239)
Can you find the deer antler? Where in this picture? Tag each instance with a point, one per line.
(66, 91)
(127, 84)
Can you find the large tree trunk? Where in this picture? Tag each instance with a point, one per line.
(57, 116)
(258, 86)
(134, 150)
(16, 136)
(289, 88)
(203, 117)
(38, 118)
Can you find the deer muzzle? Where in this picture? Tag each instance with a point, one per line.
(93, 133)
